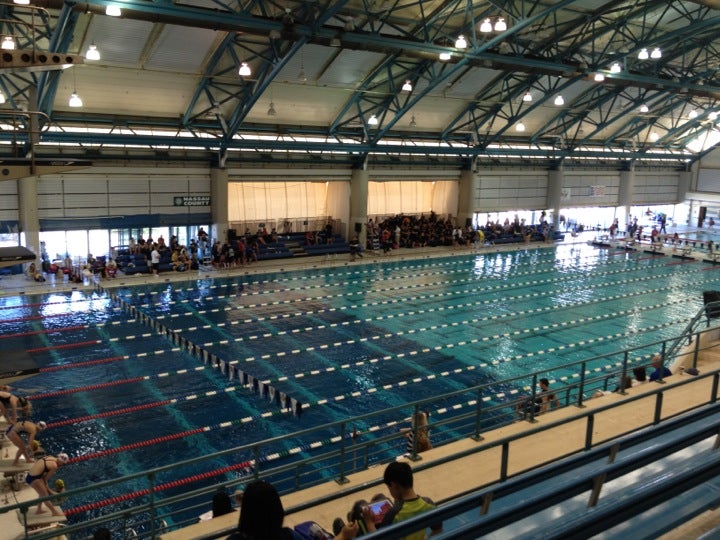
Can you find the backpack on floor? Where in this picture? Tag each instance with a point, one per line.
(310, 530)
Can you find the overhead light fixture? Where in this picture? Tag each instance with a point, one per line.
(2, 98)
(335, 42)
(407, 87)
(644, 108)
(712, 116)
(500, 25)
(559, 100)
(444, 56)
(271, 110)
(244, 70)
(92, 53)
(21, 2)
(615, 68)
(527, 97)
(643, 54)
(654, 136)
(692, 114)
(519, 126)
(460, 43)
(75, 100)
(372, 121)
(486, 26)
(8, 43)
(412, 122)
(599, 77)
(656, 53)
(113, 11)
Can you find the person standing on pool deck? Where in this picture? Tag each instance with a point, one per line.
(9, 404)
(38, 476)
(24, 448)
(155, 260)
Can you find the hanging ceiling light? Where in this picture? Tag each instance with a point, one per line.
(407, 87)
(615, 68)
(21, 2)
(712, 116)
(372, 121)
(412, 122)
(244, 70)
(500, 25)
(643, 54)
(656, 53)
(527, 97)
(92, 53)
(2, 98)
(113, 11)
(654, 136)
(692, 114)
(519, 126)
(75, 100)
(271, 110)
(486, 26)
(644, 108)
(460, 43)
(599, 77)
(444, 56)
(8, 43)
(559, 100)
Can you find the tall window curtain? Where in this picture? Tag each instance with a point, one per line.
(410, 197)
(258, 201)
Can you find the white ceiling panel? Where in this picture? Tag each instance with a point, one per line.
(135, 92)
(120, 41)
(182, 49)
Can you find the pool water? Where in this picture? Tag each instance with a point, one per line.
(342, 341)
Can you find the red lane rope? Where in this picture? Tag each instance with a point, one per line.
(49, 331)
(66, 346)
(108, 414)
(89, 387)
(83, 364)
(133, 446)
(159, 487)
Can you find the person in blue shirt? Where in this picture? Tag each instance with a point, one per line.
(661, 371)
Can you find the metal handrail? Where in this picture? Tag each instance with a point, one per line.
(469, 424)
(690, 329)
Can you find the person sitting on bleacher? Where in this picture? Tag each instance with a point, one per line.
(398, 477)
(661, 371)
(262, 515)
(110, 268)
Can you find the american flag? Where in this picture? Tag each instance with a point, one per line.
(597, 191)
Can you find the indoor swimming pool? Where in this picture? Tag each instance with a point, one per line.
(120, 396)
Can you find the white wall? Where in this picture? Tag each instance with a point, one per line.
(98, 192)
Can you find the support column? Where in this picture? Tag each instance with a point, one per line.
(467, 188)
(28, 210)
(625, 194)
(554, 194)
(219, 204)
(358, 205)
